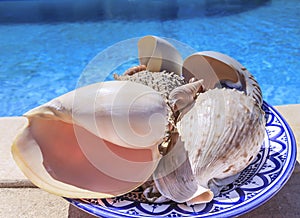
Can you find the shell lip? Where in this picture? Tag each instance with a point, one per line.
(55, 188)
(34, 178)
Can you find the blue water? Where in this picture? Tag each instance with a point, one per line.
(41, 59)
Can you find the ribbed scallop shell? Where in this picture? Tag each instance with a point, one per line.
(228, 128)
(219, 136)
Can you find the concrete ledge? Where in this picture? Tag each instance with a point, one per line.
(10, 174)
(31, 202)
(291, 114)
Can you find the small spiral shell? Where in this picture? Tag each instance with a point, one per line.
(134, 70)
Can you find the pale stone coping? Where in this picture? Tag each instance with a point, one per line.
(11, 176)
(291, 114)
(31, 202)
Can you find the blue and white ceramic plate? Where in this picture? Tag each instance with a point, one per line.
(256, 184)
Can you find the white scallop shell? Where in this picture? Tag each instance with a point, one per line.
(219, 136)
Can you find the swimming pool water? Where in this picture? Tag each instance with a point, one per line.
(42, 60)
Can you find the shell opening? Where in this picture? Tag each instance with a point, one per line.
(158, 54)
(204, 197)
(51, 154)
(213, 72)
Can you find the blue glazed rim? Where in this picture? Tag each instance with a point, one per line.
(280, 183)
(235, 211)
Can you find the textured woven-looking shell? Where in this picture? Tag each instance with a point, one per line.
(163, 82)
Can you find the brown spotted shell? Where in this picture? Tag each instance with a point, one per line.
(219, 136)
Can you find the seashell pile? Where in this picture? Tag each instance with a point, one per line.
(181, 129)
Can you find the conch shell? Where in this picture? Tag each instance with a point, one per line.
(91, 142)
(106, 139)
